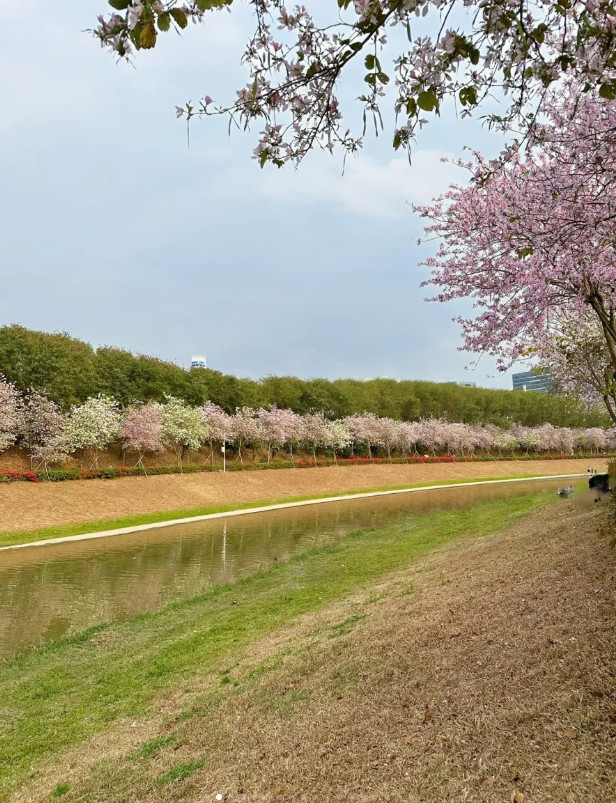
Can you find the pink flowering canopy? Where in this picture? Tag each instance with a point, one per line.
(11, 414)
(142, 429)
(532, 242)
(295, 64)
(42, 420)
(217, 424)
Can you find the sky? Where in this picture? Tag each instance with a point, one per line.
(116, 230)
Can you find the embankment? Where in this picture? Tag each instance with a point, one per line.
(28, 506)
(473, 656)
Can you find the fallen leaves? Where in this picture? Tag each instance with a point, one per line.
(517, 796)
(569, 733)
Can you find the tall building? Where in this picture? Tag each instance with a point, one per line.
(198, 361)
(533, 380)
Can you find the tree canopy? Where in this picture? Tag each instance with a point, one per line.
(532, 241)
(466, 50)
(128, 378)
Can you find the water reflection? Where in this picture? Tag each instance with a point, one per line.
(50, 591)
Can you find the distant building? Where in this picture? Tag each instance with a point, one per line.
(540, 381)
(198, 361)
(464, 384)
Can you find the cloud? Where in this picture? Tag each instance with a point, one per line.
(367, 188)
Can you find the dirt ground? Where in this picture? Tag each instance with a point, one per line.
(484, 672)
(26, 506)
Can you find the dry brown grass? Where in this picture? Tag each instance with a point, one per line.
(485, 669)
(26, 506)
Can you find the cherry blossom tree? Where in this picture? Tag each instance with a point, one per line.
(386, 434)
(610, 437)
(459, 438)
(364, 429)
(408, 436)
(484, 437)
(142, 428)
(11, 414)
(217, 426)
(469, 50)
(315, 432)
(42, 422)
(277, 428)
(528, 439)
(50, 452)
(182, 427)
(533, 243)
(246, 430)
(565, 441)
(92, 426)
(337, 437)
(432, 434)
(593, 438)
(580, 363)
(506, 441)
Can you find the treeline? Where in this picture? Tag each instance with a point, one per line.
(69, 371)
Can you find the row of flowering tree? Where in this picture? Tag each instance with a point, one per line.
(38, 426)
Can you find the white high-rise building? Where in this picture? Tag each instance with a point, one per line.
(198, 361)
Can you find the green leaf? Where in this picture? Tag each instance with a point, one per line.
(263, 156)
(179, 16)
(525, 252)
(383, 78)
(427, 100)
(164, 21)
(608, 91)
(369, 62)
(147, 38)
(468, 96)
(397, 140)
(370, 79)
(313, 69)
(206, 5)
(411, 107)
(119, 5)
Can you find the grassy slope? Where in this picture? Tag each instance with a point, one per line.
(11, 538)
(58, 696)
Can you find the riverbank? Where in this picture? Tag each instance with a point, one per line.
(93, 530)
(396, 664)
(29, 508)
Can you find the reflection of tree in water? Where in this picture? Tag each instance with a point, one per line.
(44, 595)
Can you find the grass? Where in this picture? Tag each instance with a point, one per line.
(60, 790)
(181, 772)
(13, 538)
(154, 746)
(57, 697)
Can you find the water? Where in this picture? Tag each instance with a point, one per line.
(55, 590)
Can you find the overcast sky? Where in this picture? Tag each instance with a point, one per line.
(114, 230)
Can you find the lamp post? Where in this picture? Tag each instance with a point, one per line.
(224, 458)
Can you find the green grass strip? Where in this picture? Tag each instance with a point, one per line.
(11, 538)
(56, 697)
